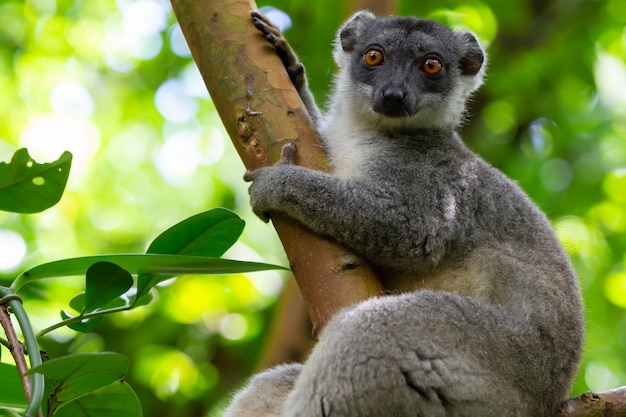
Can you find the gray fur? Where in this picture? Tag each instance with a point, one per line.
(484, 312)
(271, 388)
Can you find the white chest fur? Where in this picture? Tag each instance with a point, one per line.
(349, 148)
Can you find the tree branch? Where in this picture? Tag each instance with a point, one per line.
(17, 350)
(33, 385)
(289, 333)
(604, 404)
(261, 110)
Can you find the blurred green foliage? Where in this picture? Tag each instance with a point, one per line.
(113, 82)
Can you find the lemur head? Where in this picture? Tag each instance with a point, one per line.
(407, 73)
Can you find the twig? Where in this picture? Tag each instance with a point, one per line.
(604, 404)
(33, 386)
(5, 343)
(80, 318)
(17, 350)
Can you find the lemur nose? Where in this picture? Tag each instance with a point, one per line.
(393, 94)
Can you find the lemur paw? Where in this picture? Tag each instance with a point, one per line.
(294, 68)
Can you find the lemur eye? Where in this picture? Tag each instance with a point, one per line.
(432, 66)
(374, 57)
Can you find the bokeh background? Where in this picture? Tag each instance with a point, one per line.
(113, 82)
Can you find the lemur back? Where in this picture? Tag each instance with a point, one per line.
(484, 313)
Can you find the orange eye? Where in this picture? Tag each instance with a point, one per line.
(432, 66)
(374, 57)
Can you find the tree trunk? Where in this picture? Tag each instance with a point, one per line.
(261, 110)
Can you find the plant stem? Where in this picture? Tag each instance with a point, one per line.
(5, 343)
(33, 386)
(81, 318)
(17, 350)
(30, 340)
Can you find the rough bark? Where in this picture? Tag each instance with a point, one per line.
(289, 335)
(261, 109)
(17, 350)
(604, 404)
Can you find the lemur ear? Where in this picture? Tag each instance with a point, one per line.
(473, 57)
(351, 30)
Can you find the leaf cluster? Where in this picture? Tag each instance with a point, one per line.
(92, 384)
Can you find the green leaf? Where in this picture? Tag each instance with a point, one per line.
(83, 326)
(77, 375)
(29, 187)
(78, 302)
(143, 300)
(12, 393)
(206, 234)
(159, 265)
(105, 282)
(116, 400)
(8, 413)
(86, 325)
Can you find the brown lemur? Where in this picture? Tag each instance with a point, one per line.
(484, 315)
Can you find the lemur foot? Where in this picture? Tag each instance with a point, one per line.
(287, 157)
(294, 67)
(268, 181)
(288, 153)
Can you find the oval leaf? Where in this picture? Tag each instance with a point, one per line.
(78, 302)
(77, 375)
(206, 234)
(105, 282)
(12, 393)
(83, 326)
(117, 400)
(29, 187)
(142, 300)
